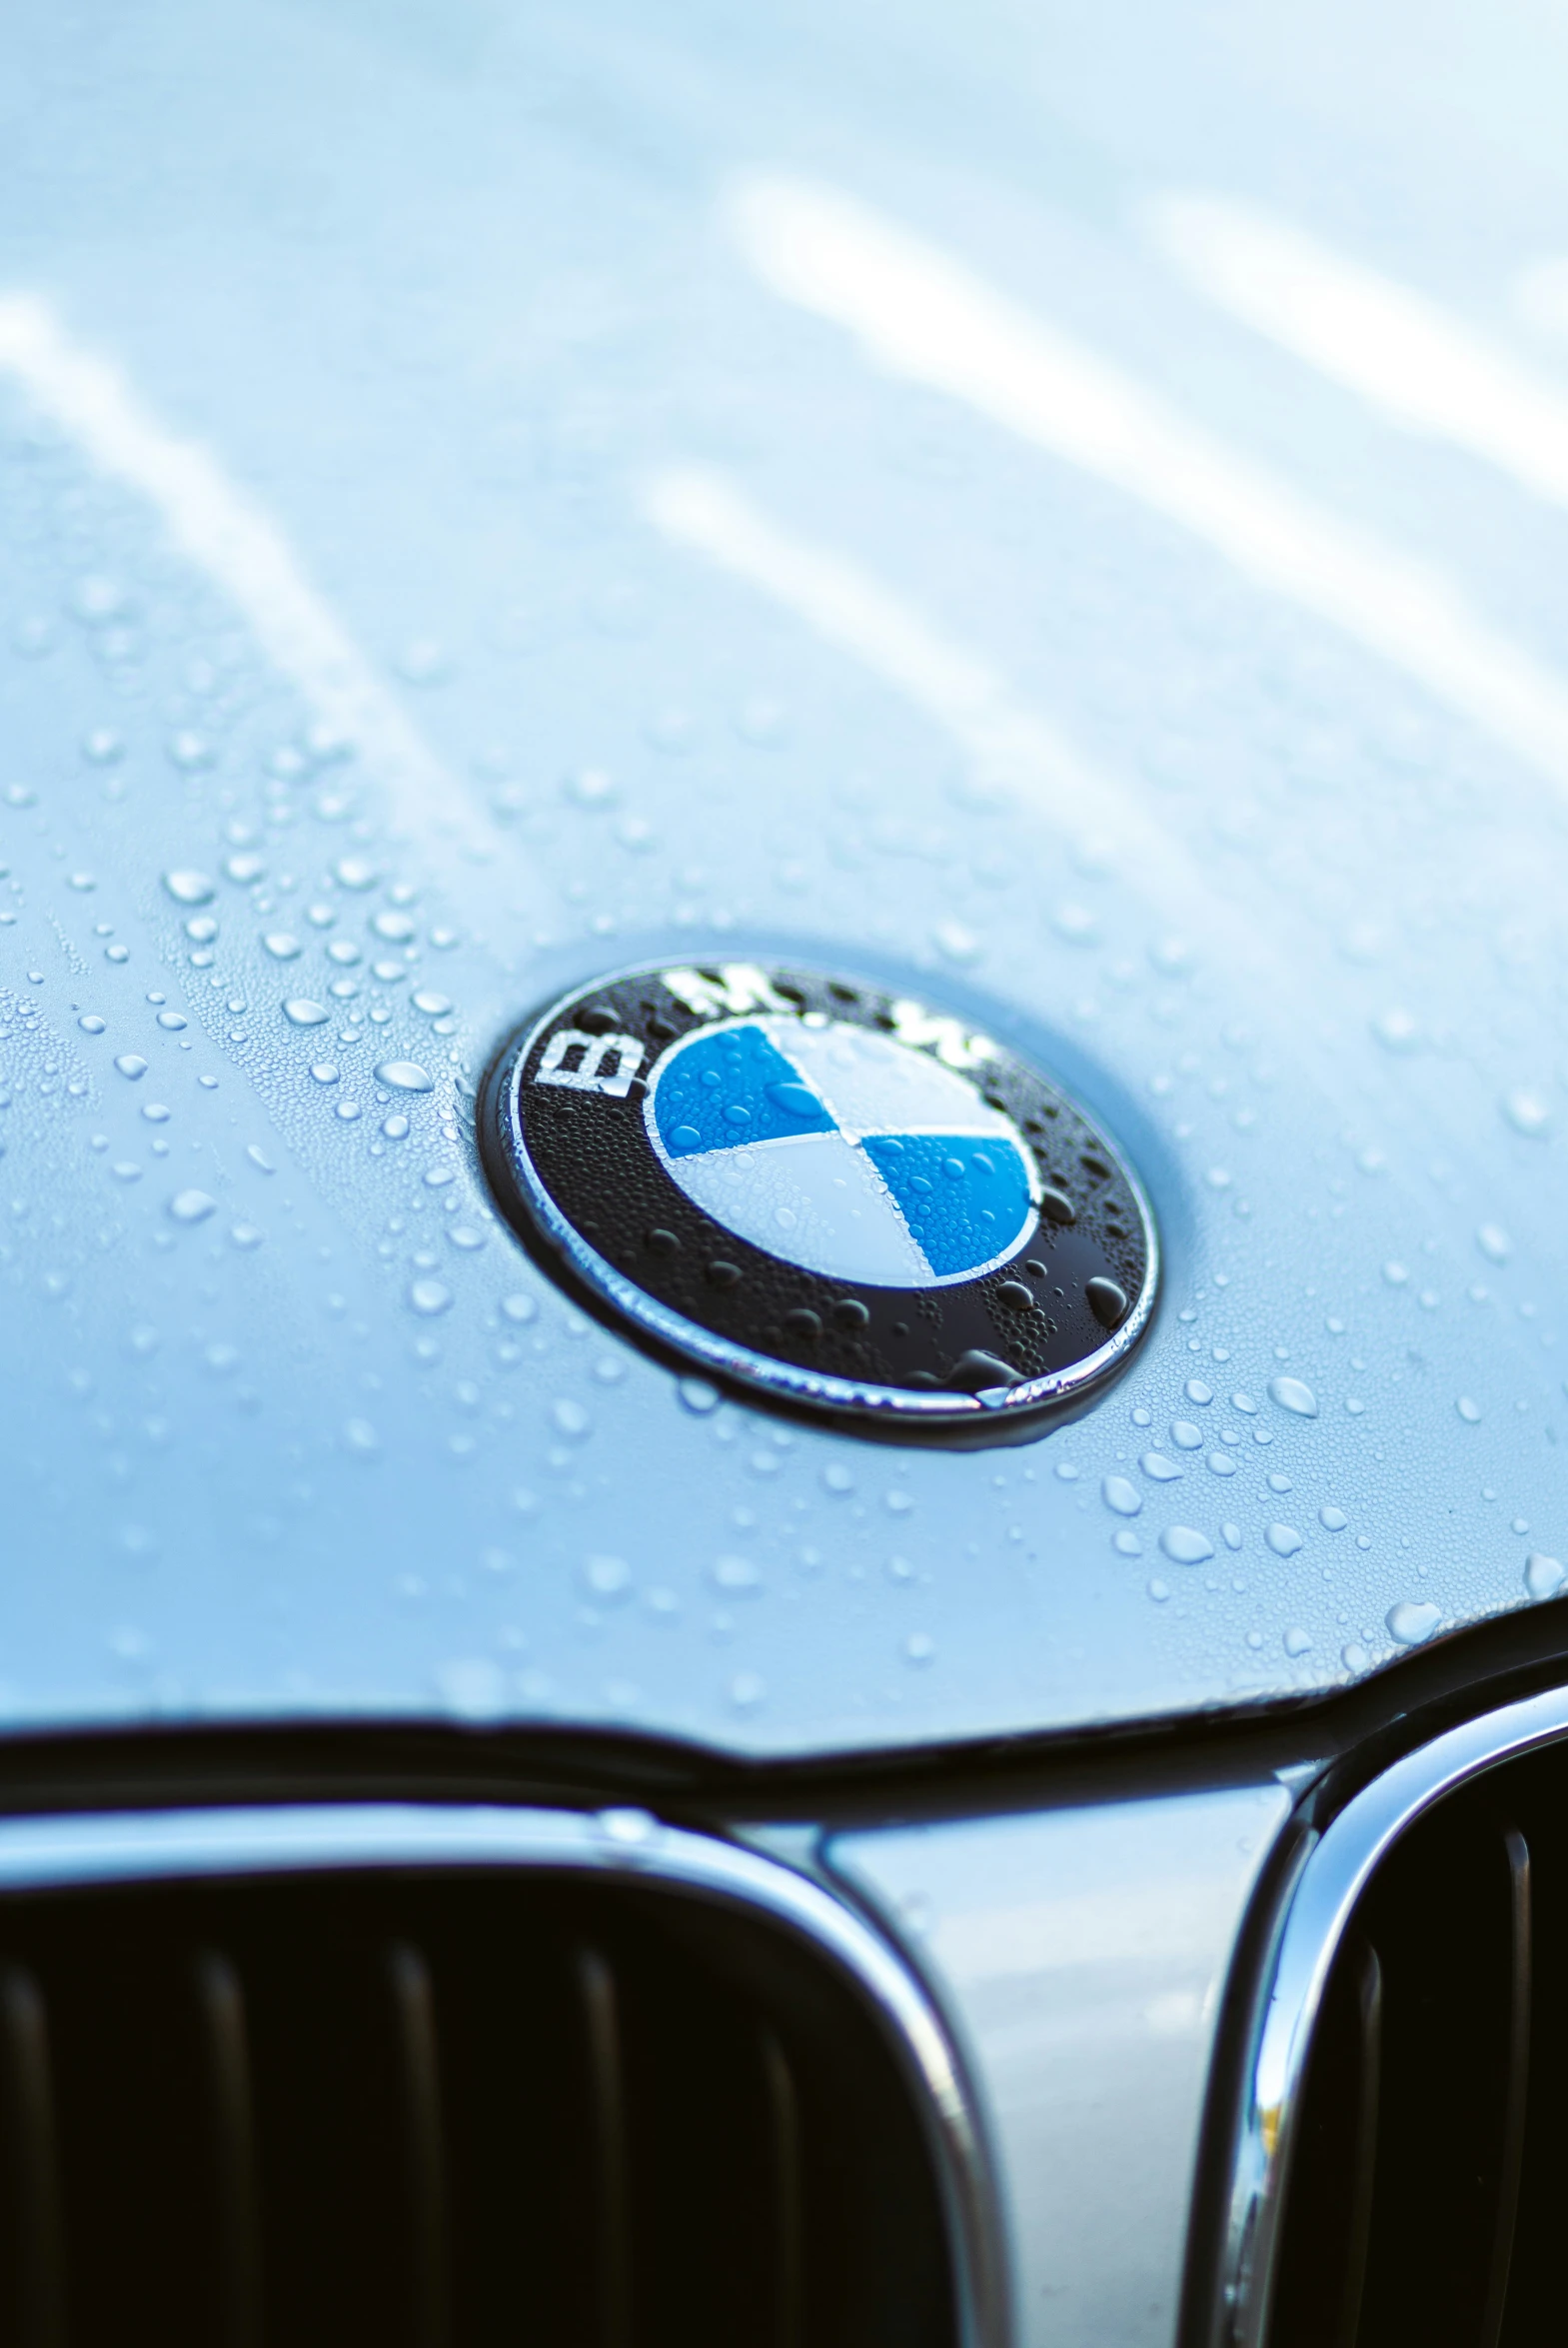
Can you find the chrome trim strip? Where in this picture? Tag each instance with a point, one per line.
(1318, 1905)
(44, 1853)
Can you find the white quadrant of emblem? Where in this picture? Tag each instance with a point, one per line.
(842, 1152)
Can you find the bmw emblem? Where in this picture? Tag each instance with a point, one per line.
(835, 1194)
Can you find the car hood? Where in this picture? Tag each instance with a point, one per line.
(1063, 516)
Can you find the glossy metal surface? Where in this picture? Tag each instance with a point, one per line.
(1318, 1907)
(1061, 505)
(47, 1854)
(1081, 1955)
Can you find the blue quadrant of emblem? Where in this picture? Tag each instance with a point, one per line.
(965, 1200)
(730, 1088)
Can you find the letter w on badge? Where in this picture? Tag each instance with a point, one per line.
(591, 1064)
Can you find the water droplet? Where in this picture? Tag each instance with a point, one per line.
(348, 1111)
(608, 1577)
(627, 1828)
(1127, 1544)
(1186, 1436)
(1159, 1590)
(1221, 1463)
(90, 1024)
(395, 927)
(1332, 1520)
(402, 1076)
(1527, 1113)
(919, 1647)
(837, 1478)
(1230, 1535)
(1183, 1544)
(1397, 1031)
(1283, 1540)
(697, 1395)
(1413, 1620)
(1292, 1393)
(1297, 1642)
(1396, 1275)
(360, 1438)
(282, 944)
(192, 1206)
(428, 1296)
(1494, 1242)
(1244, 1404)
(1122, 1496)
(1156, 1464)
(301, 1011)
(1354, 1656)
(173, 1020)
(244, 1236)
(1469, 1410)
(1199, 1392)
(746, 1690)
(132, 1064)
(956, 942)
(1543, 1575)
(355, 872)
(570, 1417)
(190, 887)
(1107, 1301)
(736, 1573)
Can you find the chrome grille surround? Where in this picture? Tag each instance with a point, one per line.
(1325, 1879)
(41, 1854)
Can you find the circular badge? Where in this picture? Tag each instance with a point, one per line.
(842, 1195)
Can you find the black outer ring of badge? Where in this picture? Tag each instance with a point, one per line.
(1113, 1231)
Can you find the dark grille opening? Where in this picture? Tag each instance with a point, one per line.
(1427, 2195)
(438, 2110)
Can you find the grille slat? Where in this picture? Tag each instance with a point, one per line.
(235, 2250)
(33, 2261)
(448, 2110)
(417, 2079)
(611, 2258)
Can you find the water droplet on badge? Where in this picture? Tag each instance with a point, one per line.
(192, 1206)
(1332, 1520)
(1543, 1575)
(132, 1064)
(1294, 1395)
(282, 944)
(608, 1577)
(570, 1417)
(1283, 1540)
(1199, 1392)
(1156, 1464)
(1186, 1545)
(91, 1024)
(1122, 1496)
(190, 887)
(1297, 1642)
(698, 1396)
(1469, 1410)
(428, 1296)
(301, 1011)
(1413, 1620)
(1186, 1436)
(402, 1076)
(1494, 1242)
(746, 1690)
